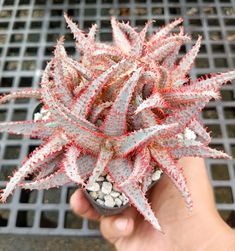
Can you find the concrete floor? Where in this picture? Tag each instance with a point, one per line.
(44, 243)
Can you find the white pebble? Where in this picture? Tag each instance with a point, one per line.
(101, 178)
(106, 187)
(156, 175)
(124, 199)
(108, 201)
(94, 195)
(118, 202)
(101, 202)
(37, 116)
(95, 187)
(121, 198)
(189, 134)
(44, 114)
(114, 194)
(100, 195)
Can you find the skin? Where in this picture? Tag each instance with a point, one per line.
(202, 229)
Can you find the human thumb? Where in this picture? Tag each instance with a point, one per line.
(115, 227)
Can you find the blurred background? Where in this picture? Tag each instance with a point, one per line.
(28, 32)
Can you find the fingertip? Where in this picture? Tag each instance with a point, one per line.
(82, 207)
(115, 227)
(125, 225)
(76, 200)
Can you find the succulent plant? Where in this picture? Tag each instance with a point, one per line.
(121, 109)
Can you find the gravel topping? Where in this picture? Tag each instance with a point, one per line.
(104, 192)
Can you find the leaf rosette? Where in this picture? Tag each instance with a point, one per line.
(121, 109)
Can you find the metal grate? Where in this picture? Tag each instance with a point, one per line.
(28, 31)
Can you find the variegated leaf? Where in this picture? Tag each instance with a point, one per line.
(53, 180)
(182, 96)
(170, 61)
(141, 166)
(120, 37)
(120, 170)
(213, 83)
(184, 115)
(156, 100)
(198, 151)
(44, 153)
(82, 105)
(201, 132)
(169, 167)
(105, 155)
(49, 167)
(92, 32)
(162, 32)
(39, 129)
(126, 144)
(115, 121)
(186, 62)
(26, 93)
(83, 43)
(98, 110)
(70, 165)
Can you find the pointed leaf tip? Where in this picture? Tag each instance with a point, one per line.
(104, 158)
(115, 121)
(186, 62)
(169, 166)
(126, 144)
(120, 37)
(154, 101)
(120, 169)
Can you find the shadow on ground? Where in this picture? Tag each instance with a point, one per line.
(40, 243)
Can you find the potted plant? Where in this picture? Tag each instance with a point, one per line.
(118, 117)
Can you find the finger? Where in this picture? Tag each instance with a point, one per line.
(81, 206)
(130, 212)
(115, 227)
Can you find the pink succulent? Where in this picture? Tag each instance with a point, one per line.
(120, 109)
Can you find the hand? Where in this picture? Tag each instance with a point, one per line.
(201, 229)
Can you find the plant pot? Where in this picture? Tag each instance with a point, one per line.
(103, 210)
(107, 211)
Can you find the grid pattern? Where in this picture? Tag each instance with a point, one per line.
(28, 32)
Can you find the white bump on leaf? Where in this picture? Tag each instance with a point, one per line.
(189, 134)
